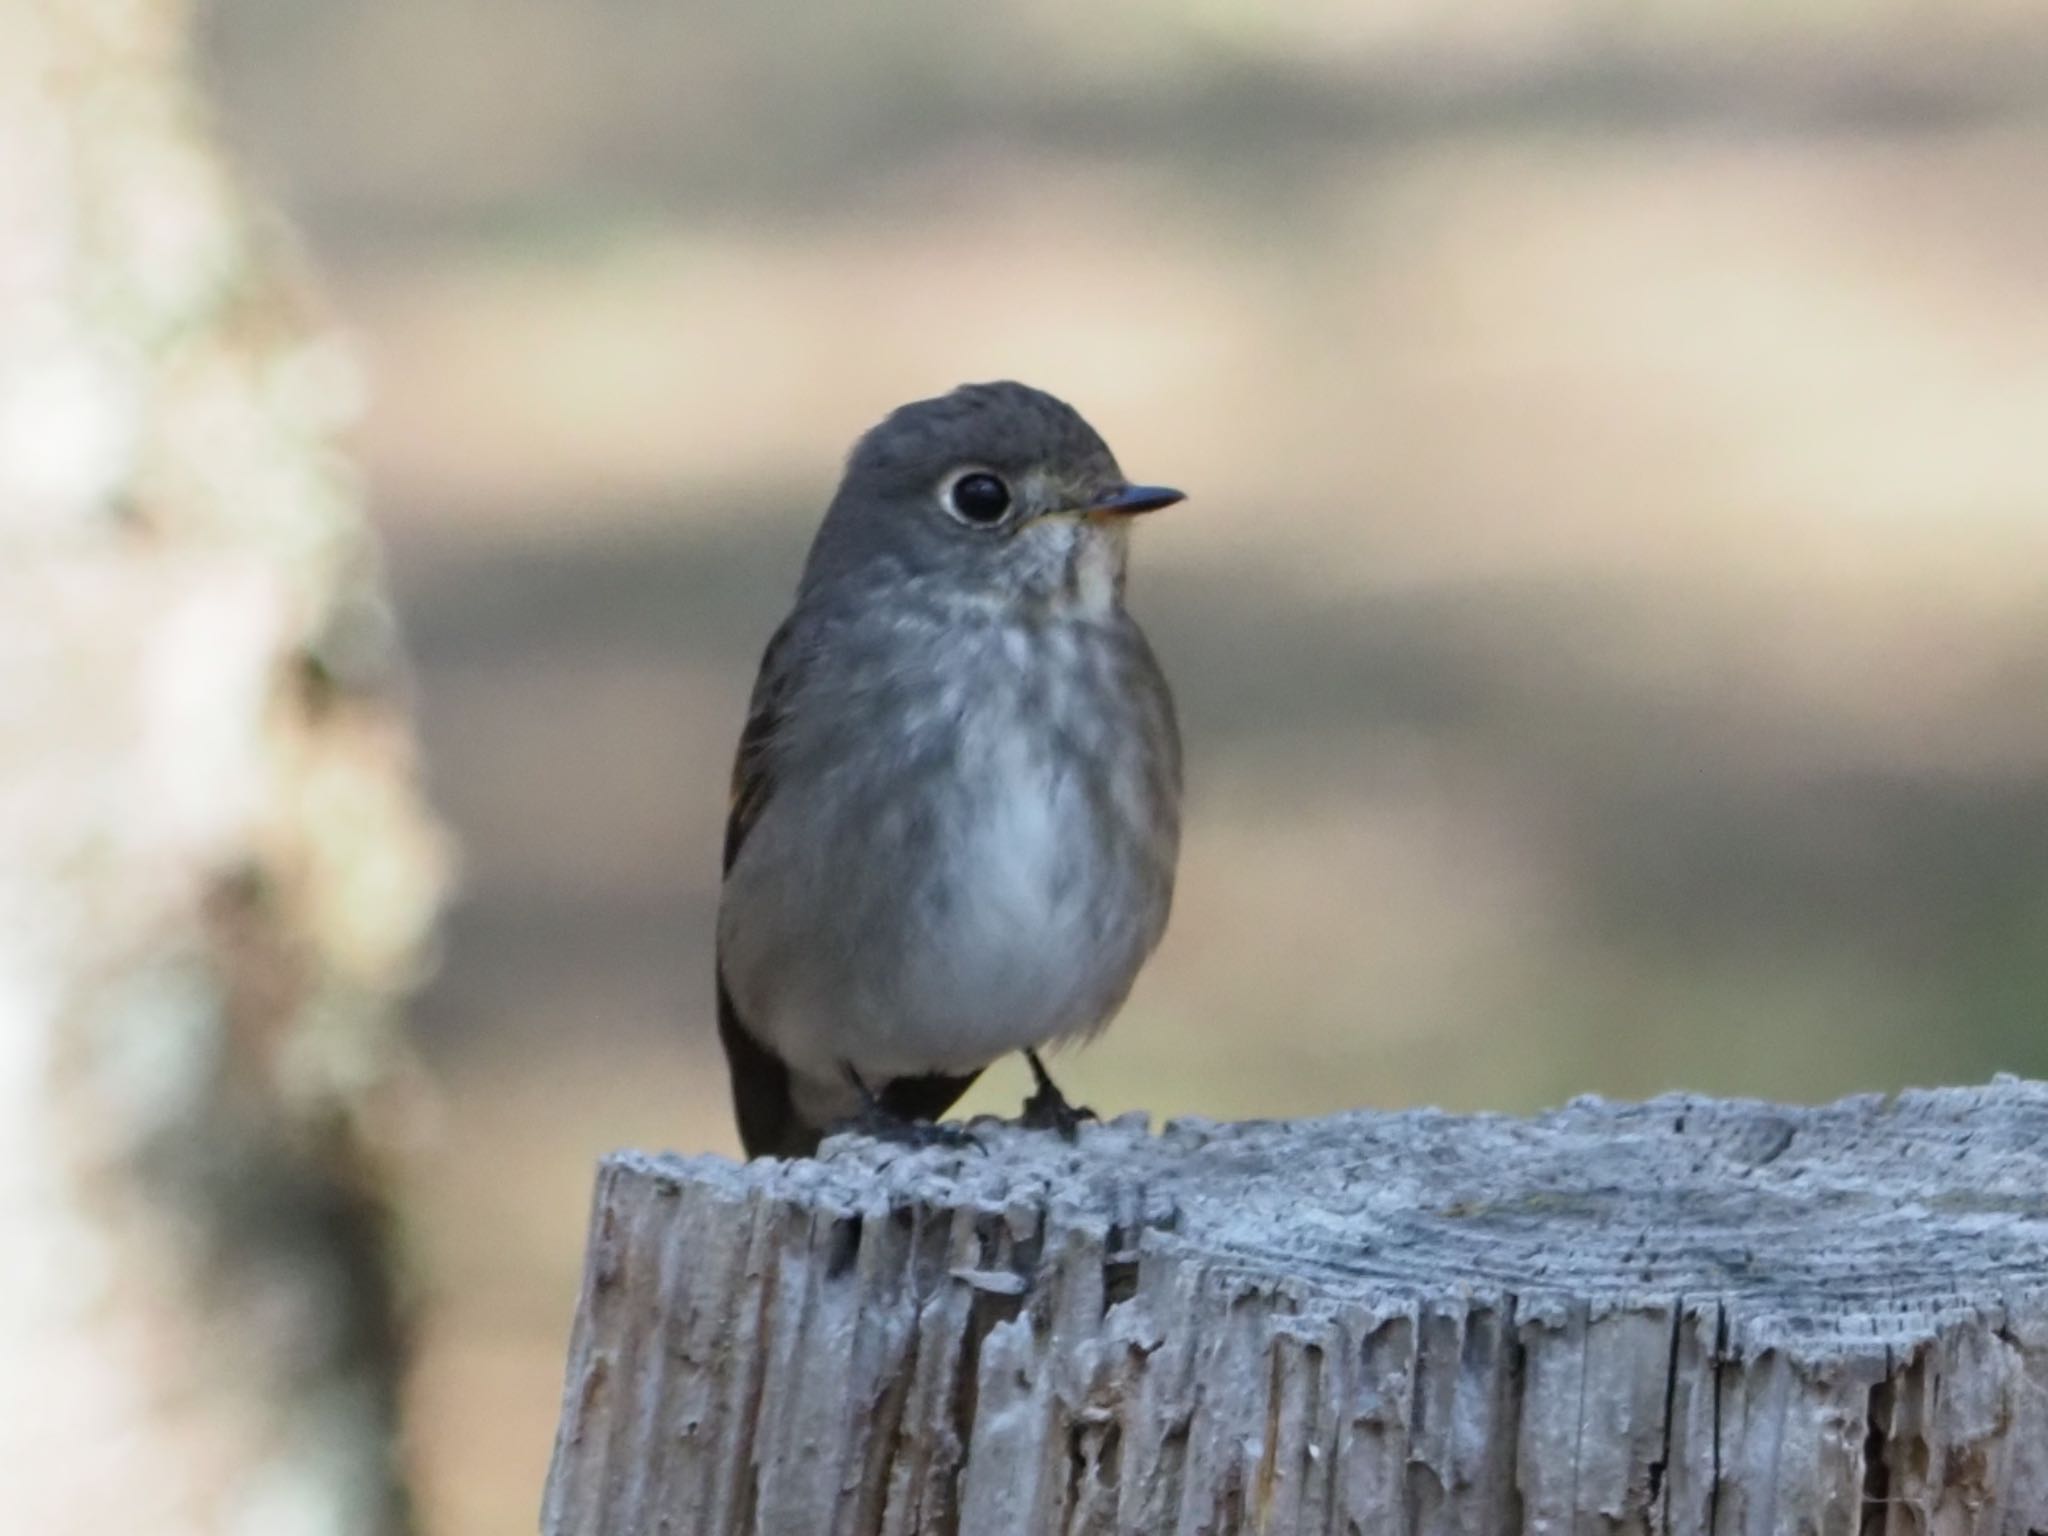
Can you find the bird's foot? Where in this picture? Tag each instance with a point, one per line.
(877, 1122)
(1048, 1110)
(880, 1125)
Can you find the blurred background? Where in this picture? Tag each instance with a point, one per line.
(1610, 621)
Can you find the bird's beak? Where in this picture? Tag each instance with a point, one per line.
(1128, 500)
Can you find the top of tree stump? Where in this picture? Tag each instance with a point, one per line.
(1685, 1316)
(1831, 1232)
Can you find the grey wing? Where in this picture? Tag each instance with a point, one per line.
(761, 1099)
(752, 777)
(761, 1091)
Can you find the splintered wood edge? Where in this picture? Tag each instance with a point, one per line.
(1691, 1310)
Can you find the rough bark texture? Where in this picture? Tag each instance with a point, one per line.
(215, 875)
(1685, 1316)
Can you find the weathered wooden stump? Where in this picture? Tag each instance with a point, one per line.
(1686, 1316)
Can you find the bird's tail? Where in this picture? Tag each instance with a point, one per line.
(761, 1100)
(765, 1106)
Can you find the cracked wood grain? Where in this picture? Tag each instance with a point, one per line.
(1690, 1316)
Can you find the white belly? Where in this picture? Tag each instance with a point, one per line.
(1008, 924)
(1008, 959)
(983, 875)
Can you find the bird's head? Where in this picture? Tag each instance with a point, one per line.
(995, 494)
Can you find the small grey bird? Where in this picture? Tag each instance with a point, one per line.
(956, 806)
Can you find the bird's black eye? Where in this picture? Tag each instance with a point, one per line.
(979, 498)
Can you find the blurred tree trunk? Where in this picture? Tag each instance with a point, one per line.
(216, 876)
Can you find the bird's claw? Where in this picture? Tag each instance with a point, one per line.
(1048, 1110)
(879, 1125)
(877, 1122)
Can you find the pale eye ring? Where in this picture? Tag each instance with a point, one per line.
(978, 498)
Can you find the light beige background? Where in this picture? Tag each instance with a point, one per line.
(1611, 617)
